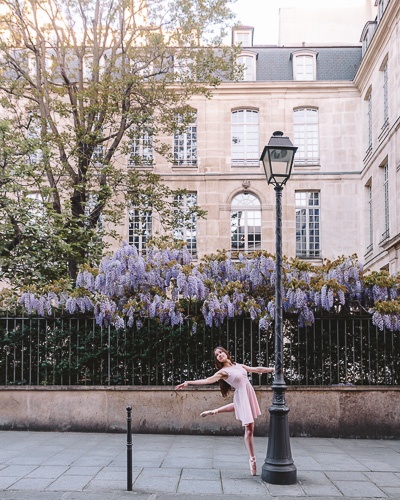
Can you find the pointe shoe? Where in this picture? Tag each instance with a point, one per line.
(208, 412)
(253, 466)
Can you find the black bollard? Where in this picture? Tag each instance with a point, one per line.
(129, 446)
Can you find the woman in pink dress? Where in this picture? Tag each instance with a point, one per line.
(245, 404)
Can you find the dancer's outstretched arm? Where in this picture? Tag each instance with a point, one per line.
(205, 381)
(259, 369)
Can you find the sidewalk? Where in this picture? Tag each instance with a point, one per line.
(75, 466)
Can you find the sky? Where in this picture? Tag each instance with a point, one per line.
(263, 15)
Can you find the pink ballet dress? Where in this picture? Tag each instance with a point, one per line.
(244, 399)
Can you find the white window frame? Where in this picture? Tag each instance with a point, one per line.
(243, 36)
(187, 234)
(246, 223)
(34, 132)
(304, 65)
(98, 150)
(141, 148)
(184, 65)
(308, 224)
(245, 138)
(248, 60)
(382, 4)
(368, 100)
(306, 136)
(370, 218)
(185, 144)
(385, 93)
(140, 227)
(386, 202)
(91, 202)
(367, 34)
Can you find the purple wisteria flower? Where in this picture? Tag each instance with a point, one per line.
(164, 284)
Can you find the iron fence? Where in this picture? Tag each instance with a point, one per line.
(75, 351)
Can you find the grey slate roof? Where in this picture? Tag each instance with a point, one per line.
(333, 63)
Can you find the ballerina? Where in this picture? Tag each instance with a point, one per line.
(245, 404)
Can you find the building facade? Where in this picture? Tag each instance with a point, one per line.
(340, 106)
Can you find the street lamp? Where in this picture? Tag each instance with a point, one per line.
(277, 158)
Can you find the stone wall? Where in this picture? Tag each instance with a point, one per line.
(365, 412)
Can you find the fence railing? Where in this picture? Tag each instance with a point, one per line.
(75, 351)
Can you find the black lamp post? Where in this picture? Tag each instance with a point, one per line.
(277, 158)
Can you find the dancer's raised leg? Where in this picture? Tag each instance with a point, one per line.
(223, 409)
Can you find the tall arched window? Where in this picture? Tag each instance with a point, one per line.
(245, 222)
(245, 143)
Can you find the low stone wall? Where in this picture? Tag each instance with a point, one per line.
(365, 412)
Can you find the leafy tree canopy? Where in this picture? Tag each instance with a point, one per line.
(78, 80)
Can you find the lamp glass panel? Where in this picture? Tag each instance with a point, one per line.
(281, 160)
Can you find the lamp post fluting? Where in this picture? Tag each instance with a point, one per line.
(278, 468)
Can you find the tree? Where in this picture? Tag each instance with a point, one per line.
(79, 80)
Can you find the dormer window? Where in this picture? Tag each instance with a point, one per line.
(367, 34)
(243, 35)
(304, 65)
(247, 60)
(382, 4)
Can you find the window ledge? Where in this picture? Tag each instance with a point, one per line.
(308, 166)
(245, 163)
(384, 131)
(184, 166)
(309, 257)
(385, 237)
(369, 252)
(368, 153)
(390, 241)
(141, 167)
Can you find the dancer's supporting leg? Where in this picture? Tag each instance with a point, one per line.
(249, 442)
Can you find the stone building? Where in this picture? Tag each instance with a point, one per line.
(340, 106)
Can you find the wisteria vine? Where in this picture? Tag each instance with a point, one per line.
(167, 285)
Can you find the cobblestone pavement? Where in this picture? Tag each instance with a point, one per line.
(86, 466)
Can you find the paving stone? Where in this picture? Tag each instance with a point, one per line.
(391, 492)
(69, 483)
(31, 484)
(17, 470)
(77, 470)
(293, 490)
(356, 489)
(48, 471)
(200, 487)
(249, 486)
(201, 474)
(6, 482)
(384, 478)
(346, 476)
(106, 485)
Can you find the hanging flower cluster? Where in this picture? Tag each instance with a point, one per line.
(166, 285)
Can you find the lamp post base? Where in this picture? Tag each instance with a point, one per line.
(279, 467)
(285, 475)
